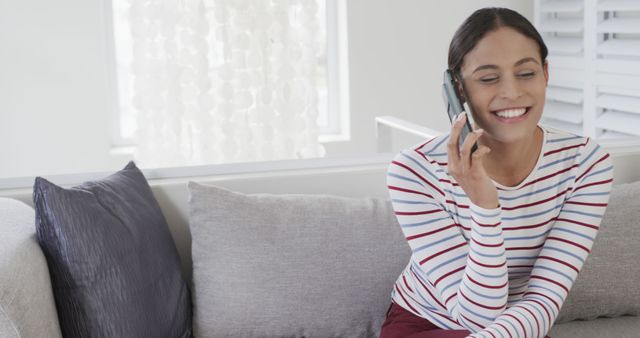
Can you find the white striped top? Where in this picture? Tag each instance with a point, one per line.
(503, 272)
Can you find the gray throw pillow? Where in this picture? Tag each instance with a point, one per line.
(607, 284)
(114, 267)
(292, 265)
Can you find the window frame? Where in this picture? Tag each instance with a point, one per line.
(338, 105)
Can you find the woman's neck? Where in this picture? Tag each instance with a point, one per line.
(510, 163)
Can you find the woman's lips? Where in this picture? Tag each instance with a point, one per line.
(510, 120)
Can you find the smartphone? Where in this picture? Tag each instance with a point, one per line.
(454, 106)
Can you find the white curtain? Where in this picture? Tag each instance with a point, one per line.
(224, 81)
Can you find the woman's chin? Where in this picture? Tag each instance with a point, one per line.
(511, 135)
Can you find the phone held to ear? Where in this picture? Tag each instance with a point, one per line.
(454, 106)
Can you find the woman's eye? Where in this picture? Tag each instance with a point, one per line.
(488, 79)
(527, 74)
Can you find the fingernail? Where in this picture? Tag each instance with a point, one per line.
(479, 131)
(460, 116)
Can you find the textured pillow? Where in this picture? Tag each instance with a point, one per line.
(114, 267)
(27, 308)
(607, 285)
(292, 265)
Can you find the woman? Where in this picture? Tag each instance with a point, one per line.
(498, 236)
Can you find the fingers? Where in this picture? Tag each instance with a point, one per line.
(476, 159)
(465, 156)
(454, 135)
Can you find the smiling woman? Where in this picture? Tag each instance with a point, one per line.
(498, 235)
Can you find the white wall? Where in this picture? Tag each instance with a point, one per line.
(54, 90)
(398, 52)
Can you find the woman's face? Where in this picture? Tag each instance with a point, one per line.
(505, 82)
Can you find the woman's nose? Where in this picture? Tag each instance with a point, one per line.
(509, 88)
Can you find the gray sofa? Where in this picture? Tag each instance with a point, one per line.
(329, 273)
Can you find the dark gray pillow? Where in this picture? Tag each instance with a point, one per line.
(607, 285)
(114, 267)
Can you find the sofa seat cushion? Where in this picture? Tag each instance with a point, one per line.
(27, 308)
(292, 265)
(619, 327)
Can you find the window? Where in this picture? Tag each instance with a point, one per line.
(594, 57)
(331, 72)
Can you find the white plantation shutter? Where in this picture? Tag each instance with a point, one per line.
(561, 24)
(594, 66)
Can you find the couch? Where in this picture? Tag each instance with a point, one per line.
(604, 301)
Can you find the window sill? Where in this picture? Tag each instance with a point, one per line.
(123, 150)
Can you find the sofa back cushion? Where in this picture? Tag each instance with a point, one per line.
(292, 265)
(607, 285)
(27, 308)
(114, 267)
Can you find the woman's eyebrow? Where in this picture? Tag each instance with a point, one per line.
(527, 59)
(524, 60)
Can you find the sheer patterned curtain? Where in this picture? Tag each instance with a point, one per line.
(223, 81)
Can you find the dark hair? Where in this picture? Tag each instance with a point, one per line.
(484, 21)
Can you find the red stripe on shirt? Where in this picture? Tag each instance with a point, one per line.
(537, 202)
(486, 285)
(472, 322)
(488, 265)
(480, 305)
(447, 275)
(593, 165)
(510, 336)
(487, 245)
(559, 261)
(569, 242)
(409, 191)
(550, 281)
(543, 295)
(578, 223)
(592, 184)
(404, 299)
(430, 232)
(551, 175)
(529, 226)
(518, 320)
(441, 252)
(564, 148)
(419, 176)
(532, 315)
(484, 225)
(426, 288)
(406, 284)
(585, 203)
(524, 247)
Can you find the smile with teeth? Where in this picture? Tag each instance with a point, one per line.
(511, 113)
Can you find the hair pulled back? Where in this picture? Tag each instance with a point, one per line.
(486, 20)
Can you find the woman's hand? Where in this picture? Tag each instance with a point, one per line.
(467, 168)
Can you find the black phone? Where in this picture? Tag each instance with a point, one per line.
(454, 106)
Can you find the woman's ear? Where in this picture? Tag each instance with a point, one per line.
(545, 68)
(460, 91)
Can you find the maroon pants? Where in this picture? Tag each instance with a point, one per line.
(401, 323)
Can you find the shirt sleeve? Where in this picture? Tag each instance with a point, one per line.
(470, 276)
(564, 252)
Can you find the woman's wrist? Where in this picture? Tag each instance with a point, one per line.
(489, 204)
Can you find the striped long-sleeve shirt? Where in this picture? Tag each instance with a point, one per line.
(501, 272)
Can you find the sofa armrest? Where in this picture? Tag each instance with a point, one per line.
(27, 307)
